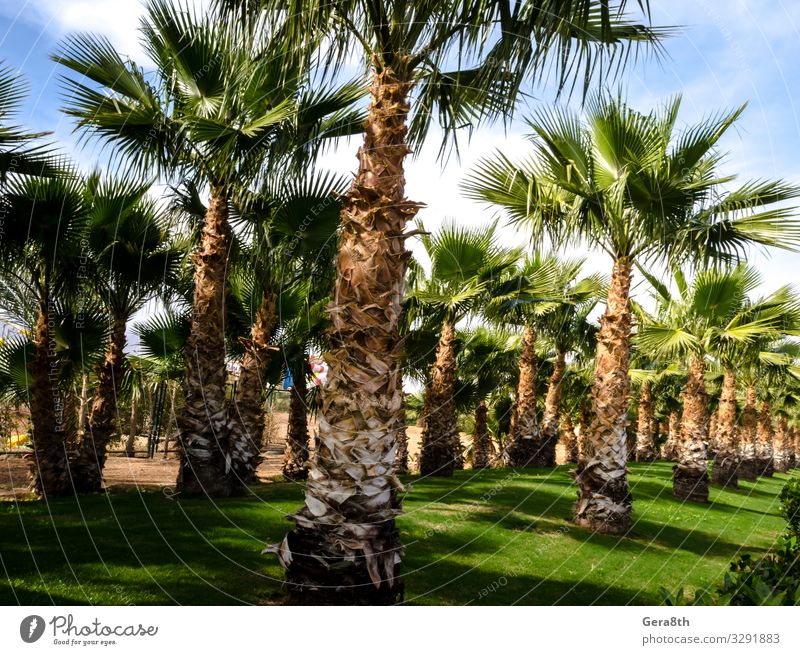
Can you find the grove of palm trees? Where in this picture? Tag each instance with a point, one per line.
(231, 317)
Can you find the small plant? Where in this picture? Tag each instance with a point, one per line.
(790, 507)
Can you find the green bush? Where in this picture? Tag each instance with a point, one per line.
(790, 506)
(770, 580)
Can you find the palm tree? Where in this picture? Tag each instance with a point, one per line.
(406, 47)
(294, 224)
(133, 259)
(649, 375)
(534, 289)
(229, 100)
(20, 154)
(710, 316)
(486, 364)
(768, 362)
(629, 184)
(568, 327)
(466, 266)
(41, 251)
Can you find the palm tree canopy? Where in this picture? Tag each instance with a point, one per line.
(467, 60)
(714, 315)
(227, 95)
(634, 186)
(19, 152)
(467, 264)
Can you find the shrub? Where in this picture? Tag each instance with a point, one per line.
(770, 580)
(790, 506)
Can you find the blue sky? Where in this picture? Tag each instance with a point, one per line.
(726, 53)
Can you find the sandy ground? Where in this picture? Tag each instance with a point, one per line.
(148, 474)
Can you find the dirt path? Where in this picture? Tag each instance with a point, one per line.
(147, 474)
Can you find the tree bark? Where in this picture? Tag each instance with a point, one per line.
(440, 441)
(552, 410)
(569, 439)
(748, 466)
(87, 469)
(48, 474)
(205, 465)
(604, 500)
(346, 548)
(524, 443)
(246, 413)
(480, 442)
(724, 472)
(296, 456)
(670, 448)
(645, 444)
(690, 474)
(130, 444)
(402, 446)
(764, 449)
(781, 454)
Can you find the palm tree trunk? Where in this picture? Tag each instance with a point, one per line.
(402, 446)
(673, 437)
(440, 442)
(764, 449)
(480, 442)
(781, 454)
(296, 455)
(87, 470)
(645, 444)
(569, 439)
(604, 500)
(346, 548)
(794, 449)
(246, 421)
(748, 467)
(584, 421)
(552, 409)
(524, 442)
(690, 474)
(48, 475)
(130, 444)
(724, 472)
(204, 467)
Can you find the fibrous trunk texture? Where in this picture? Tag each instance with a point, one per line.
(401, 463)
(202, 423)
(764, 437)
(604, 500)
(724, 472)
(296, 455)
(48, 475)
(87, 469)
(345, 548)
(246, 414)
(748, 432)
(794, 449)
(481, 441)
(524, 447)
(440, 442)
(668, 452)
(569, 439)
(584, 421)
(552, 410)
(781, 456)
(130, 443)
(690, 474)
(645, 429)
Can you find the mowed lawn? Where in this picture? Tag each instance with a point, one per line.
(489, 537)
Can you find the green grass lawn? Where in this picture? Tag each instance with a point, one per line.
(493, 537)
